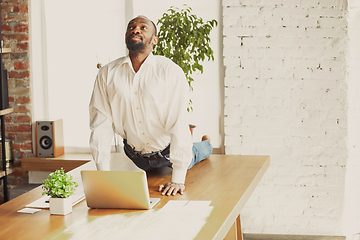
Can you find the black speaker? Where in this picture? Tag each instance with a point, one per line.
(4, 91)
(49, 138)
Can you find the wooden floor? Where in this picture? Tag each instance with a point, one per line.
(289, 237)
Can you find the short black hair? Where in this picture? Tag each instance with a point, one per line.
(142, 16)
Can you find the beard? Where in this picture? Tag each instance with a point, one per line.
(134, 46)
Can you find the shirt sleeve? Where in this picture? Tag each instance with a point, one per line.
(177, 125)
(100, 124)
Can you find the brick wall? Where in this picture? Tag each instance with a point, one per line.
(15, 34)
(286, 96)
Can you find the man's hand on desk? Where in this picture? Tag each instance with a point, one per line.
(172, 188)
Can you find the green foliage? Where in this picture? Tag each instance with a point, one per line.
(59, 185)
(184, 38)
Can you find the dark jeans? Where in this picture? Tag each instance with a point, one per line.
(201, 150)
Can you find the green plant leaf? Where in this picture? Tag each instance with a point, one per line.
(59, 185)
(184, 38)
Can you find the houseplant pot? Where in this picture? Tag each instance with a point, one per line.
(60, 206)
(59, 186)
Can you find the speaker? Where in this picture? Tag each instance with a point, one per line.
(49, 138)
(4, 91)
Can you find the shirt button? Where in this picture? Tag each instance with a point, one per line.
(139, 121)
(135, 92)
(143, 133)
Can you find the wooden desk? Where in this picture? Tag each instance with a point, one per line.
(226, 180)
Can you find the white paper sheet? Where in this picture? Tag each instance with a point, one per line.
(29, 210)
(43, 202)
(177, 220)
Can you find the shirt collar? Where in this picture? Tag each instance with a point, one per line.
(149, 60)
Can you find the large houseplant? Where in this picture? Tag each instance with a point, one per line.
(185, 39)
(59, 186)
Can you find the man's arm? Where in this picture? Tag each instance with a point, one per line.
(100, 124)
(177, 125)
(100, 138)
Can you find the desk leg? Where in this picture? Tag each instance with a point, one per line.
(235, 232)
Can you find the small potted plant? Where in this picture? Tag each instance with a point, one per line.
(59, 186)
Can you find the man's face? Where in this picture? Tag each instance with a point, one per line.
(140, 34)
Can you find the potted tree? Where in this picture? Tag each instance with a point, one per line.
(185, 39)
(59, 186)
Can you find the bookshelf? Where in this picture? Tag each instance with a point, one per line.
(5, 171)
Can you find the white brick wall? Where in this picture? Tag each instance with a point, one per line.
(351, 221)
(286, 96)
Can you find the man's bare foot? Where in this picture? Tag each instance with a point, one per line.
(205, 137)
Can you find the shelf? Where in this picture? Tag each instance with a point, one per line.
(68, 161)
(6, 111)
(6, 50)
(8, 171)
(5, 171)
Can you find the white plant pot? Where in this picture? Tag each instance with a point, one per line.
(60, 206)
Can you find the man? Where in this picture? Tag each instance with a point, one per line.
(143, 98)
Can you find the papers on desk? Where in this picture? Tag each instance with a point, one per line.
(43, 202)
(180, 220)
(29, 210)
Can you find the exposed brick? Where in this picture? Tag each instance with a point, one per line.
(18, 174)
(22, 46)
(24, 128)
(15, 1)
(22, 136)
(20, 55)
(19, 91)
(8, 118)
(23, 119)
(21, 18)
(17, 146)
(19, 74)
(20, 37)
(18, 128)
(15, 34)
(20, 8)
(23, 100)
(21, 65)
(23, 154)
(21, 28)
(24, 9)
(5, 28)
(21, 109)
(5, 8)
(11, 135)
(16, 8)
(22, 146)
(22, 83)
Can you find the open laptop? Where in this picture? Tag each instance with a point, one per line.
(117, 189)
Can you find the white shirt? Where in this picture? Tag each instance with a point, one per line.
(148, 108)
